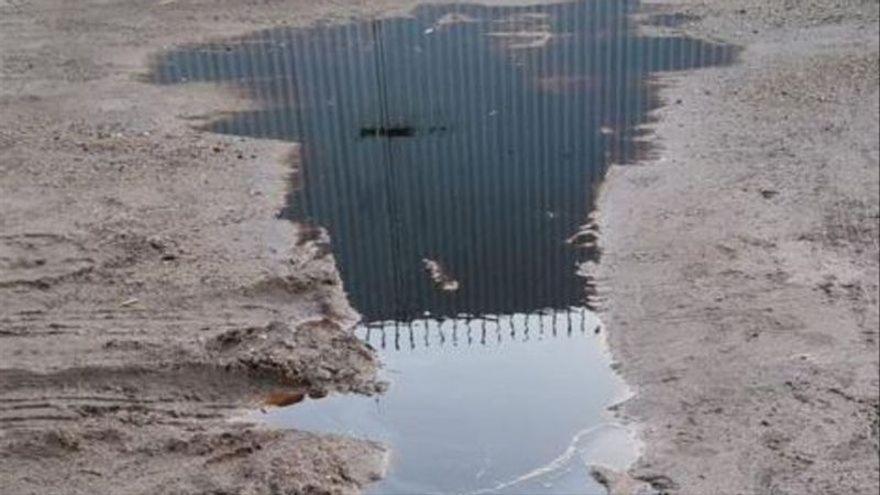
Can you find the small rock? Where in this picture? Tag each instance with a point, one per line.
(129, 302)
(156, 242)
(620, 483)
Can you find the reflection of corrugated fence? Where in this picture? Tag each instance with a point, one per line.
(484, 330)
(452, 155)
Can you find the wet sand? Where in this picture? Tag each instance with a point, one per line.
(148, 293)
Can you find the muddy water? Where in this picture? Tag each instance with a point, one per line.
(452, 157)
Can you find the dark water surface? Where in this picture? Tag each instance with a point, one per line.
(448, 136)
(452, 157)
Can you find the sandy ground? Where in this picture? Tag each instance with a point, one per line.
(741, 266)
(148, 293)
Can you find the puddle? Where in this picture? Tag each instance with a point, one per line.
(452, 156)
(501, 404)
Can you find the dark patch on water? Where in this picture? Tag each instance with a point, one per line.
(389, 132)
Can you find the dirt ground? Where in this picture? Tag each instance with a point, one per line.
(148, 293)
(741, 266)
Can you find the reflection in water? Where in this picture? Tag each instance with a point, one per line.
(485, 330)
(520, 412)
(452, 156)
(467, 135)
